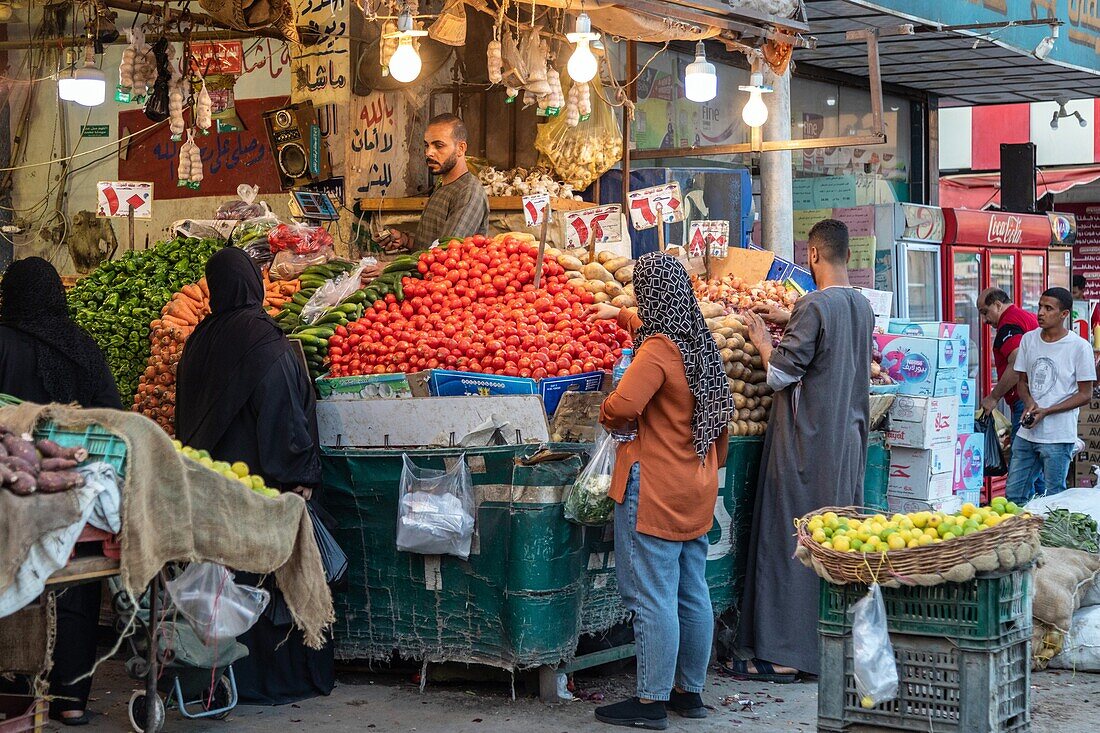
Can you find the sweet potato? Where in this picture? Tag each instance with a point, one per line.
(23, 484)
(57, 464)
(51, 449)
(16, 463)
(19, 448)
(52, 482)
(6, 474)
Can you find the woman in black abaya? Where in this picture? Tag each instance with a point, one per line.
(243, 395)
(45, 357)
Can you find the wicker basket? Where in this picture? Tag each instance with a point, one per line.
(1012, 544)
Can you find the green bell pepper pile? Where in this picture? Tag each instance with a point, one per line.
(118, 301)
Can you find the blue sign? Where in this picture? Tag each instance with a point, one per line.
(315, 149)
(1076, 45)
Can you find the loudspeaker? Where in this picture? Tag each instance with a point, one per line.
(1018, 177)
(296, 144)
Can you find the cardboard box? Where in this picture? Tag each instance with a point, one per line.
(1088, 425)
(970, 496)
(922, 366)
(905, 505)
(446, 383)
(923, 422)
(926, 462)
(958, 356)
(1083, 474)
(968, 402)
(969, 469)
(921, 474)
(364, 387)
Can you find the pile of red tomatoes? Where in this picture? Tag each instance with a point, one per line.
(477, 310)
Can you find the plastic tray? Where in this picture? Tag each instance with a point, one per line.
(942, 688)
(993, 609)
(102, 445)
(32, 719)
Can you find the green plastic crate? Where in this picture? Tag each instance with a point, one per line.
(941, 688)
(992, 609)
(102, 445)
(877, 473)
(7, 399)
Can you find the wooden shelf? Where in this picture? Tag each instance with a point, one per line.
(83, 569)
(496, 203)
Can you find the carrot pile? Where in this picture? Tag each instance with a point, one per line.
(156, 393)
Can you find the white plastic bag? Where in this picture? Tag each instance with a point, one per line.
(1081, 650)
(436, 511)
(335, 291)
(874, 667)
(586, 501)
(215, 606)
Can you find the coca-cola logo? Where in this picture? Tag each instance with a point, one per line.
(914, 367)
(1006, 229)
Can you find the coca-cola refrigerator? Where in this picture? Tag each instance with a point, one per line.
(985, 249)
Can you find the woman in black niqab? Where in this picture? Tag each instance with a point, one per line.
(243, 395)
(46, 357)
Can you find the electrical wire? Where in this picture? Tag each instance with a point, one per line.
(86, 152)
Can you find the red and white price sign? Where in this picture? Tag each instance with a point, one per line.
(602, 224)
(218, 57)
(119, 198)
(535, 208)
(712, 235)
(647, 204)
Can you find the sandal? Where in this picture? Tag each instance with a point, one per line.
(738, 669)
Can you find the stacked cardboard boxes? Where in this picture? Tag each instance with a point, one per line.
(935, 457)
(1088, 430)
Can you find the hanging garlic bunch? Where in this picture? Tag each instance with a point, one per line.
(189, 171)
(572, 113)
(584, 100)
(387, 46)
(556, 97)
(204, 108)
(125, 86)
(177, 93)
(144, 68)
(495, 61)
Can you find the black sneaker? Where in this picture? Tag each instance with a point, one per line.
(687, 704)
(633, 713)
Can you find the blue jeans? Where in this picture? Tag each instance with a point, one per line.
(664, 583)
(1051, 460)
(1017, 416)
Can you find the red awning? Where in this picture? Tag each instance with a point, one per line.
(979, 190)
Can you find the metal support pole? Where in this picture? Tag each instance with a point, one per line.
(632, 93)
(776, 184)
(151, 722)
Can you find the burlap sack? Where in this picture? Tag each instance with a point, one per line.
(176, 511)
(27, 639)
(1059, 583)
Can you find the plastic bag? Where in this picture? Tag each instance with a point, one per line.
(335, 291)
(215, 606)
(436, 511)
(298, 238)
(245, 206)
(333, 558)
(873, 665)
(586, 501)
(156, 106)
(287, 265)
(995, 462)
(582, 152)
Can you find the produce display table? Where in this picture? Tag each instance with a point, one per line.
(534, 582)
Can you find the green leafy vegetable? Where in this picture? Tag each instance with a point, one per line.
(1063, 528)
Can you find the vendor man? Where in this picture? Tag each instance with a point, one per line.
(458, 207)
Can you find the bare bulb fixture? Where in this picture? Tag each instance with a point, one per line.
(405, 64)
(87, 85)
(700, 78)
(755, 113)
(582, 66)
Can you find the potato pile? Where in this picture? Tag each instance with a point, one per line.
(744, 368)
(609, 278)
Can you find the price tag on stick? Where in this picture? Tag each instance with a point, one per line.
(649, 206)
(536, 208)
(542, 246)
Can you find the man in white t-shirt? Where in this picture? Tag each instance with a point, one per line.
(1057, 371)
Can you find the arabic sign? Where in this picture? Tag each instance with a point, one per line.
(95, 131)
(535, 208)
(228, 159)
(119, 198)
(712, 235)
(647, 204)
(604, 223)
(375, 161)
(218, 57)
(1078, 45)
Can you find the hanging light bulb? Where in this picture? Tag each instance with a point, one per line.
(700, 78)
(405, 64)
(582, 64)
(86, 86)
(755, 113)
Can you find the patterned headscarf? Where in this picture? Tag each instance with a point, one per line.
(667, 305)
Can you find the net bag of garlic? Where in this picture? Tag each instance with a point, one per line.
(580, 151)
